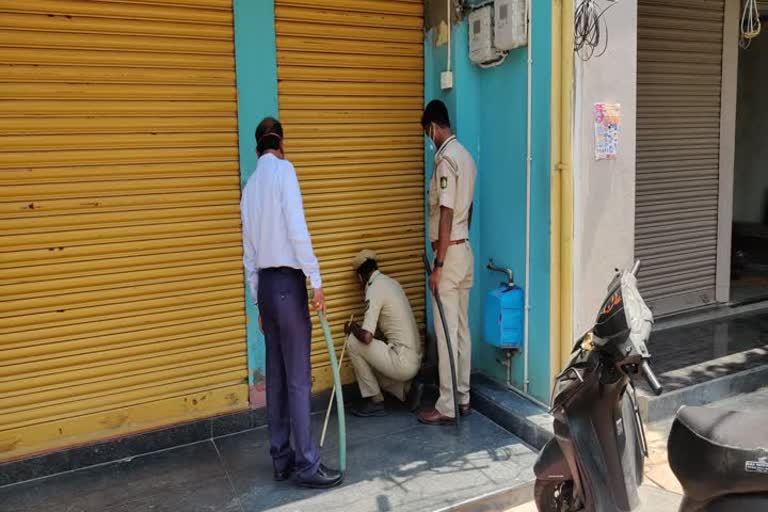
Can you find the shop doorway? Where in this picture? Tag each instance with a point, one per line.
(749, 249)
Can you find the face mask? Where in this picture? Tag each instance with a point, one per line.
(432, 146)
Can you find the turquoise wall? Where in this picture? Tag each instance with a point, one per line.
(488, 112)
(256, 64)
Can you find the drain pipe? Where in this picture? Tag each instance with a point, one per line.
(528, 160)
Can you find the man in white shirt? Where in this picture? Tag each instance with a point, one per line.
(278, 258)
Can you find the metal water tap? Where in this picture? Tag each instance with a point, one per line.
(502, 270)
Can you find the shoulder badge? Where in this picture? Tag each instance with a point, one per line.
(443, 182)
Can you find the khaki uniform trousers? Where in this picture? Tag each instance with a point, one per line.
(455, 284)
(378, 366)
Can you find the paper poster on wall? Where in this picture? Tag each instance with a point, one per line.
(607, 122)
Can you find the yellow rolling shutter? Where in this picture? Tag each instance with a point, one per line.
(350, 76)
(121, 294)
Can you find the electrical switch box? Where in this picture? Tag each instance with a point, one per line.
(481, 35)
(510, 24)
(446, 80)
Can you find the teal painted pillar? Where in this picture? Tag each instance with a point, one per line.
(488, 111)
(541, 140)
(256, 67)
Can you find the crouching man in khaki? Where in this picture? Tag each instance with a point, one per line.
(386, 350)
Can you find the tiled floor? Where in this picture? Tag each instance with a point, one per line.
(394, 464)
(689, 355)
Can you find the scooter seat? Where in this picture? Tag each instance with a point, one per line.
(714, 452)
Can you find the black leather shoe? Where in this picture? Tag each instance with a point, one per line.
(367, 408)
(324, 478)
(415, 394)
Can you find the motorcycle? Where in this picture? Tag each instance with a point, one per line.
(594, 463)
(720, 458)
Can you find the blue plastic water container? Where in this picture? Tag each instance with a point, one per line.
(503, 323)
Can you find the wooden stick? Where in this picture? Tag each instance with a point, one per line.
(333, 393)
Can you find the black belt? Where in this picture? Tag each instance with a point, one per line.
(282, 270)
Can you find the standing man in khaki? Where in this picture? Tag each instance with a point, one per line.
(450, 212)
(386, 350)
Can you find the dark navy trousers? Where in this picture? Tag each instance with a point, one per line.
(284, 310)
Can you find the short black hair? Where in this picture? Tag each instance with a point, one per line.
(369, 266)
(269, 134)
(435, 112)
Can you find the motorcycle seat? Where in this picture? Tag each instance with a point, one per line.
(714, 452)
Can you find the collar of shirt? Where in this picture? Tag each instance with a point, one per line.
(267, 156)
(444, 145)
(373, 277)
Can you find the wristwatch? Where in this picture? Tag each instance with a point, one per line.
(438, 263)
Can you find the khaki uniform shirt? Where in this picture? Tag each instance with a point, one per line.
(388, 308)
(452, 186)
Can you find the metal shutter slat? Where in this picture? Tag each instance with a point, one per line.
(218, 305)
(341, 46)
(107, 74)
(37, 356)
(347, 32)
(120, 11)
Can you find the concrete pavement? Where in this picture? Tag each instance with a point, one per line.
(653, 499)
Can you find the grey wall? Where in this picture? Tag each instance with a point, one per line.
(604, 191)
(751, 170)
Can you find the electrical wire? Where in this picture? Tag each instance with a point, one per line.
(591, 29)
(750, 23)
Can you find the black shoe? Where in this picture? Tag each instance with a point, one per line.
(324, 478)
(413, 400)
(281, 476)
(367, 408)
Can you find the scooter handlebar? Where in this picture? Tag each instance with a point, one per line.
(651, 378)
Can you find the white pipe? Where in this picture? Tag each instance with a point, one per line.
(528, 158)
(448, 20)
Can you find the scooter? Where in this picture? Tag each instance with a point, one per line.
(594, 463)
(720, 458)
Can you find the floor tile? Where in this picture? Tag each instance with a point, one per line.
(192, 473)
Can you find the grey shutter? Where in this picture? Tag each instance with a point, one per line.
(680, 47)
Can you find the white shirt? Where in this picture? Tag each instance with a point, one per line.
(275, 232)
